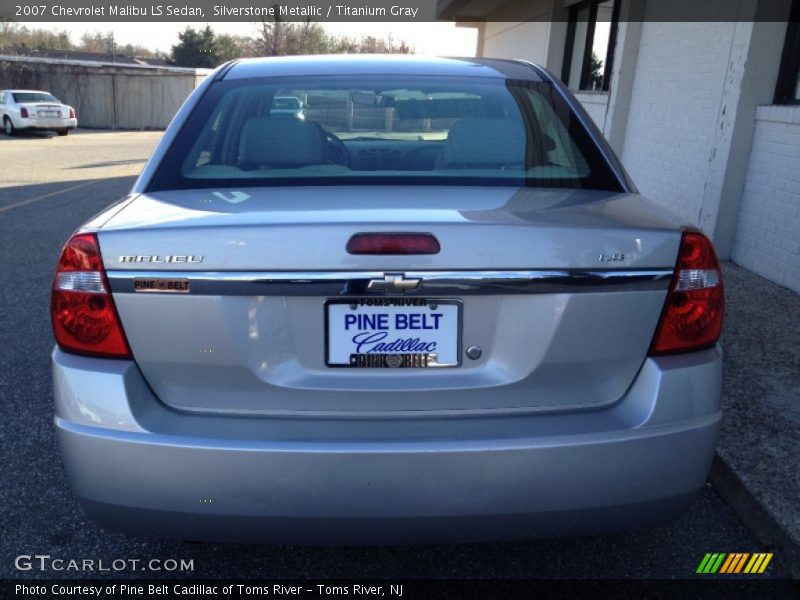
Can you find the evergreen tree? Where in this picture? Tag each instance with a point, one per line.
(195, 49)
(226, 47)
(595, 72)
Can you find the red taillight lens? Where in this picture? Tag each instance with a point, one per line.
(695, 306)
(72, 113)
(80, 253)
(84, 317)
(393, 243)
(23, 112)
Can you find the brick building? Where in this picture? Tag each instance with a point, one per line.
(703, 109)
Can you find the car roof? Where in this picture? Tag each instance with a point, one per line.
(26, 92)
(379, 64)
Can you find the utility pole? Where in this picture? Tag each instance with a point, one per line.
(113, 82)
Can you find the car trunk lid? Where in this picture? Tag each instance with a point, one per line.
(46, 109)
(558, 290)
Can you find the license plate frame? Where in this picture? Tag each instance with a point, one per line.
(410, 302)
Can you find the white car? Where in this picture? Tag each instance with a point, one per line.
(288, 106)
(35, 110)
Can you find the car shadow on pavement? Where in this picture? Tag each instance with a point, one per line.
(112, 163)
(22, 135)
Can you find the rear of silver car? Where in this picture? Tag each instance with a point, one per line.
(372, 363)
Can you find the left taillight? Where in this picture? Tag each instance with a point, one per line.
(85, 320)
(23, 112)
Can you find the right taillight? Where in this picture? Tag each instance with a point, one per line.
(695, 306)
(85, 320)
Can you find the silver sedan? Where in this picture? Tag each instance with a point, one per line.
(436, 309)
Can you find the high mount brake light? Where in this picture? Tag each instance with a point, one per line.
(85, 320)
(694, 310)
(393, 243)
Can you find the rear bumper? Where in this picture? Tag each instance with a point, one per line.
(46, 124)
(139, 466)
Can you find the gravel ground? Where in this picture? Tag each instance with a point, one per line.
(760, 436)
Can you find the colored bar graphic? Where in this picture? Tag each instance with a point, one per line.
(718, 563)
(757, 566)
(728, 562)
(703, 563)
(751, 564)
(765, 563)
(740, 564)
(711, 563)
(734, 562)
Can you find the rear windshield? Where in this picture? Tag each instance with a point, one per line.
(382, 130)
(21, 97)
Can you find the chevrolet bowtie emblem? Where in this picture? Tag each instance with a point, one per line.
(393, 283)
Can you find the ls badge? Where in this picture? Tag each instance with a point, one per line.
(611, 257)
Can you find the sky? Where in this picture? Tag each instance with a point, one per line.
(443, 39)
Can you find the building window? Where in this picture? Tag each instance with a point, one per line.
(591, 35)
(788, 89)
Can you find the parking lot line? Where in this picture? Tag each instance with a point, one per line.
(43, 196)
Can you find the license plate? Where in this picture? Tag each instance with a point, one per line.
(391, 333)
(49, 113)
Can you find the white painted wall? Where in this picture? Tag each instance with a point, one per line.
(595, 104)
(674, 109)
(526, 40)
(518, 29)
(768, 236)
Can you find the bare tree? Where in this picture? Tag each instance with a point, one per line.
(15, 35)
(271, 34)
(277, 38)
(94, 42)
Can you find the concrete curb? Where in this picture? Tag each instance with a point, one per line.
(749, 509)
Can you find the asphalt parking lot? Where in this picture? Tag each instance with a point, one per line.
(49, 186)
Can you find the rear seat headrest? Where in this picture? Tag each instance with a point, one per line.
(485, 143)
(281, 141)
